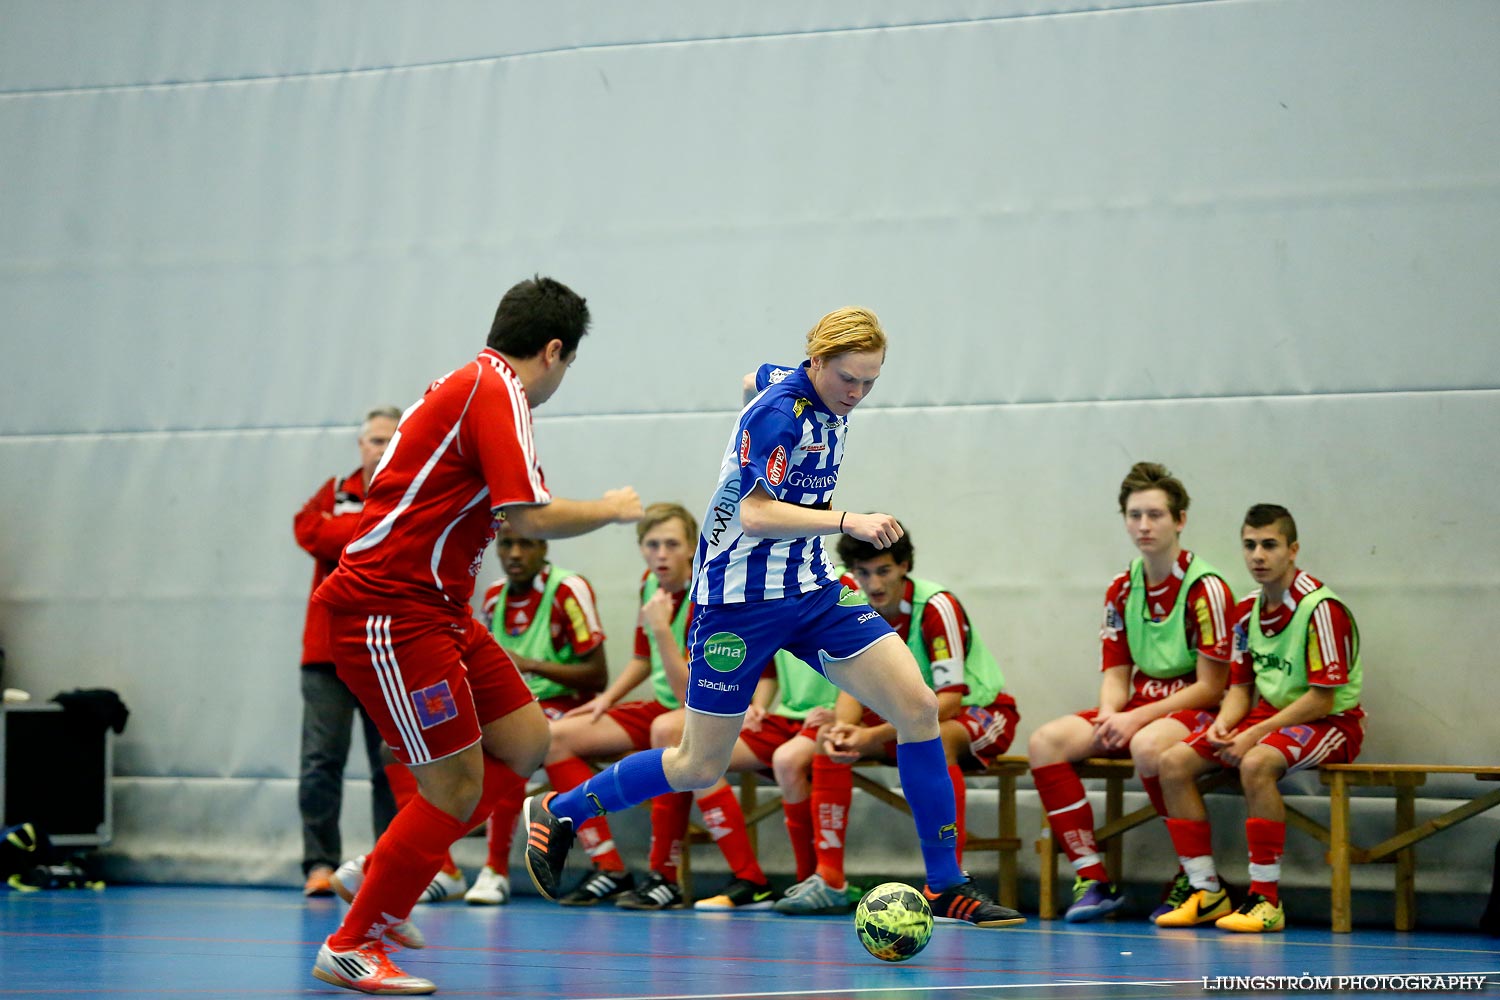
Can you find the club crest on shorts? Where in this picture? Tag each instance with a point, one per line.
(434, 705)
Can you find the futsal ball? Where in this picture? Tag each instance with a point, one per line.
(893, 922)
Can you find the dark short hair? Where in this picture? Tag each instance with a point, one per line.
(1263, 515)
(535, 312)
(1155, 476)
(852, 550)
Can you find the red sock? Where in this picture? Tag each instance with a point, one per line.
(411, 852)
(669, 824)
(726, 825)
(1152, 785)
(403, 789)
(1267, 840)
(594, 834)
(1071, 817)
(799, 830)
(1191, 838)
(510, 793)
(403, 784)
(832, 791)
(960, 797)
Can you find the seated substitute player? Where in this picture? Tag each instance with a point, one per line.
(606, 727)
(545, 617)
(977, 719)
(762, 583)
(446, 698)
(1166, 648)
(789, 697)
(1293, 703)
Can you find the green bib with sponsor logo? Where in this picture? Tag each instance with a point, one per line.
(981, 670)
(1160, 649)
(1281, 660)
(536, 642)
(800, 688)
(659, 683)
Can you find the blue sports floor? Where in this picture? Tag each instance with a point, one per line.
(152, 941)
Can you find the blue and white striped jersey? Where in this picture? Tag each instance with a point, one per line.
(790, 443)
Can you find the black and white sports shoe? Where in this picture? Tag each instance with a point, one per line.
(656, 893)
(548, 839)
(597, 886)
(965, 902)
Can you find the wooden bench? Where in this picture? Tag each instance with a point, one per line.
(1398, 849)
(1006, 845)
(1341, 854)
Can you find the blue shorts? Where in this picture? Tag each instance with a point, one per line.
(729, 645)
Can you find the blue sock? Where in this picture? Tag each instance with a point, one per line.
(924, 779)
(635, 779)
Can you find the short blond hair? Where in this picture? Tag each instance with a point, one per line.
(846, 330)
(661, 513)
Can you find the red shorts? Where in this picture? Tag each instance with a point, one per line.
(1192, 719)
(774, 731)
(1334, 739)
(556, 708)
(635, 717)
(990, 729)
(430, 684)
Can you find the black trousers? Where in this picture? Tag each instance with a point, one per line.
(328, 712)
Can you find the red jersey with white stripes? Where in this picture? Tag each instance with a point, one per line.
(461, 453)
(1330, 638)
(575, 615)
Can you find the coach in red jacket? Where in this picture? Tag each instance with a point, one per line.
(324, 526)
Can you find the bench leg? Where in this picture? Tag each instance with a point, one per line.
(1406, 861)
(1114, 808)
(749, 794)
(1007, 861)
(1047, 877)
(1338, 851)
(685, 869)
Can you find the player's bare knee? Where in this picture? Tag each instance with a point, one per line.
(1146, 751)
(1261, 770)
(666, 731)
(692, 774)
(791, 763)
(915, 717)
(1044, 746)
(1177, 764)
(453, 785)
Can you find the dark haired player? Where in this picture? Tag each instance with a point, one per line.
(446, 698)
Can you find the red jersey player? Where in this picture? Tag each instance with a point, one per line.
(1166, 647)
(1292, 704)
(446, 698)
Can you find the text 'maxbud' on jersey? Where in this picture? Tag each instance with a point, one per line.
(790, 444)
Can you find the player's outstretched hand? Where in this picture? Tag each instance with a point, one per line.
(627, 504)
(880, 530)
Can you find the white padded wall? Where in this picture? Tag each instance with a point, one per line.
(1254, 239)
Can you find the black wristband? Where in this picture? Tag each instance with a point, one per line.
(841, 521)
